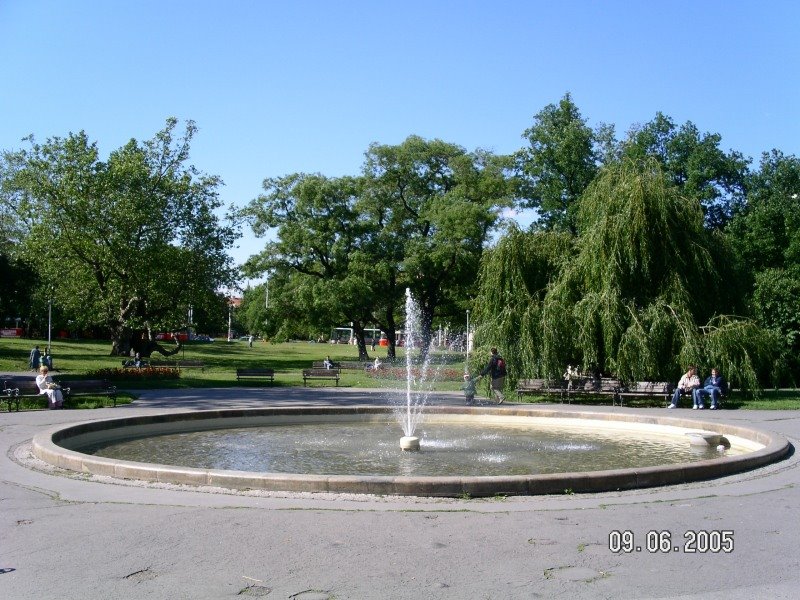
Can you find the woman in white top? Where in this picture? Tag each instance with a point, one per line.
(687, 384)
(47, 386)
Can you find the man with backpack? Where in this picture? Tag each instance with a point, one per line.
(497, 369)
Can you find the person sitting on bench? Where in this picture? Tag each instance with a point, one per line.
(687, 384)
(48, 386)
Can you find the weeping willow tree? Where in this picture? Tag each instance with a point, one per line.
(626, 296)
(512, 283)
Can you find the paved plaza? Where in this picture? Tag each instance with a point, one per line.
(67, 536)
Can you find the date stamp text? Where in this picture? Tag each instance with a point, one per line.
(714, 541)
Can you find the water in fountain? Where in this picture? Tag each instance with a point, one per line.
(418, 384)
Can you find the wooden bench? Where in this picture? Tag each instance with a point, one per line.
(320, 364)
(191, 364)
(541, 387)
(567, 390)
(88, 387)
(255, 373)
(320, 374)
(602, 386)
(354, 365)
(179, 364)
(16, 389)
(11, 391)
(647, 389)
(20, 388)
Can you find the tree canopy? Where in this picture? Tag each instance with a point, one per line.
(418, 217)
(695, 163)
(639, 293)
(126, 244)
(766, 236)
(562, 159)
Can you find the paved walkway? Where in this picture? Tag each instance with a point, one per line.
(70, 537)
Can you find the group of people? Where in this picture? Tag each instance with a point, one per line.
(38, 359)
(714, 387)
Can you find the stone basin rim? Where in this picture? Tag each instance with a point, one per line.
(46, 447)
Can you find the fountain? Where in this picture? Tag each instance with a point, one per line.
(334, 449)
(415, 399)
(473, 451)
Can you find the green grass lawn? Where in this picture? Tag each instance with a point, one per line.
(80, 358)
(77, 358)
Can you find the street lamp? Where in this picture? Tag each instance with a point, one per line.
(49, 324)
(230, 316)
(466, 365)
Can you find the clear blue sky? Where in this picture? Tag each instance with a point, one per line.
(306, 86)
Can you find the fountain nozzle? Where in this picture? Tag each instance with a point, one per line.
(409, 442)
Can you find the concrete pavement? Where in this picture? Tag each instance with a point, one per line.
(69, 536)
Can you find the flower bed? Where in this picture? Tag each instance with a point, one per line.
(141, 373)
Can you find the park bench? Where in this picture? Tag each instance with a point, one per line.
(255, 374)
(190, 364)
(541, 387)
(595, 386)
(179, 364)
(310, 374)
(20, 388)
(88, 387)
(11, 394)
(319, 364)
(568, 390)
(647, 389)
(354, 365)
(16, 389)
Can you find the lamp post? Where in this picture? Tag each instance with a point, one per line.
(49, 324)
(230, 317)
(466, 342)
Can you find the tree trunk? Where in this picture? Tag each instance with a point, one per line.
(361, 342)
(126, 342)
(390, 329)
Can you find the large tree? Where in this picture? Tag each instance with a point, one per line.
(693, 162)
(643, 291)
(127, 244)
(766, 235)
(417, 218)
(433, 205)
(561, 160)
(317, 250)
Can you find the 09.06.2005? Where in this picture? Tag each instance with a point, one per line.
(623, 541)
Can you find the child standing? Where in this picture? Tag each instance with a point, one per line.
(469, 388)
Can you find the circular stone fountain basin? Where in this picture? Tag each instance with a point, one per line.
(750, 448)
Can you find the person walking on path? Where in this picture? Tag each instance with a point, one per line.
(497, 369)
